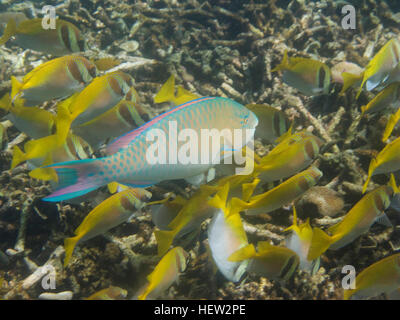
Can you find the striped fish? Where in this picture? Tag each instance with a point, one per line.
(29, 34)
(128, 162)
(101, 95)
(53, 79)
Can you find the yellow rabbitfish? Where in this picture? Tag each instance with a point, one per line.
(381, 66)
(272, 123)
(348, 74)
(53, 79)
(272, 262)
(388, 160)
(33, 121)
(110, 213)
(381, 277)
(226, 235)
(30, 34)
(293, 154)
(165, 273)
(390, 96)
(124, 117)
(370, 209)
(299, 241)
(110, 293)
(101, 95)
(310, 77)
(281, 195)
(393, 119)
(167, 93)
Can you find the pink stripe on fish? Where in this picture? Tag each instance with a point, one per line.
(124, 140)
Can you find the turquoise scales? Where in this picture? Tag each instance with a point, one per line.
(127, 162)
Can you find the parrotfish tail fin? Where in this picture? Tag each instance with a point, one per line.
(283, 64)
(393, 119)
(349, 80)
(69, 246)
(18, 157)
(248, 189)
(247, 252)
(370, 172)
(5, 102)
(320, 242)
(76, 178)
(10, 30)
(219, 200)
(164, 240)
(15, 88)
(63, 121)
(167, 91)
(392, 183)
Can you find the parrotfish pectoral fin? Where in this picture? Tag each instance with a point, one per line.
(76, 178)
(10, 30)
(319, 244)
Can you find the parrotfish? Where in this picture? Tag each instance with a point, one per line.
(122, 118)
(310, 77)
(53, 79)
(272, 262)
(165, 273)
(30, 34)
(133, 160)
(381, 277)
(299, 240)
(388, 160)
(272, 123)
(370, 209)
(33, 121)
(101, 95)
(293, 154)
(226, 235)
(110, 213)
(110, 293)
(167, 93)
(281, 195)
(382, 65)
(388, 97)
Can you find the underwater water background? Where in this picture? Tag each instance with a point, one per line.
(214, 48)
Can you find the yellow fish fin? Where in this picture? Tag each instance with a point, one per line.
(5, 102)
(320, 242)
(247, 252)
(105, 64)
(45, 173)
(167, 91)
(248, 189)
(63, 120)
(183, 96)
(112, 187)
(286, 135)
(294, 225)
(349, 79)
(219, 200)
(15, 88)
(394, 118)
(69, 246)
(10, 30)
(164, 240)
(284, 64)
(18, 157)
(371, 170)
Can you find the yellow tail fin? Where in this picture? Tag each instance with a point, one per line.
(15, 88)
(10, 30)
(167, 91)
(69, 246)
(349, 80)
(18, 157)
(244, 253)
(164, 240)
(63, 121)
(5, 102)
(283, 65)
(320, 242)
(371, 170)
